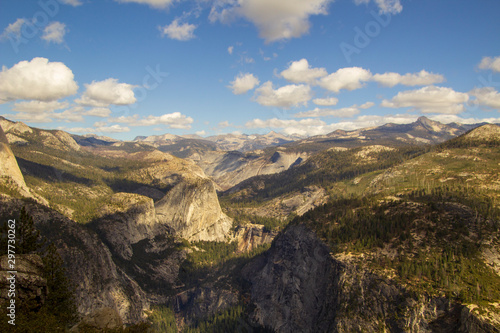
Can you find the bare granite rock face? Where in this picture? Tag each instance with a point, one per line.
(9, 169)
(191, 208)
(97, 280)
(251, 236)
(298, 286)
(29, 281)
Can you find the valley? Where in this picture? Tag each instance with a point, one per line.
(386, 229)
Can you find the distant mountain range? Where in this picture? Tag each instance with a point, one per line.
(422, 131)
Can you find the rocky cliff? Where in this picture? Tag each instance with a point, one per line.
(99, 283)
(10, 174)
(192, 210)
(299, 286)
(29, 281)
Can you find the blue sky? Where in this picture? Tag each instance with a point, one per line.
(123, 68)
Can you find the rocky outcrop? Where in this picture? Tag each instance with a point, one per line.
(10, 174)
(192, 210)
(291, 286)
(299, 286)
(251, 236)
(98, 282)
(28, 280)
(126, 220)
(228, 169)
(199, 303)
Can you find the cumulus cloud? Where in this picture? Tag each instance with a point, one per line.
(224, 124)
(98, 112)
(349, 78)
(54, 32)
(284, 97)
(430, 99)
(490, 63)
(366, 105)
(339, 113)
(13, 29)
(174, 30)
(107, 92)
(230, 49)
(291, 126)
(48, 116)
(39, 106)
(243, 83)
(326, 101)
(452, 118)
(301, 72)
(385, 6)
(422, 78)
(37, 79)
(171, 120)
(153, 3)
(113, 129)
(486, 96)
(275, 20)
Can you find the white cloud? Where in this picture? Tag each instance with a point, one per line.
(107, 92)
(99, 127)
(275, 20)
(39, 106)
(13, 29)
(37, 79)
(113, 129)
(301, 72)
(366, 105)
(285, 97)
(291, 126)
(171, 120)
(243, 83)
(385, 6)
(98, 112)
(339, 113)
(49, 116)
(430, 99)
(422, 78)
(224, 124)
(230, 49)
(490, 63)
(201, 133)
(153, 3)
(174, 30)
(486, 96)
(54, 32)
(326, 101)
(451, 118)
(349, 78)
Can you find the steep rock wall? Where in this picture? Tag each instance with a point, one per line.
(98, 282)
(192, 210)
(298, 286)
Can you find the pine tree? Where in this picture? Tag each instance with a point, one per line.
(60, 298)
(28, 239)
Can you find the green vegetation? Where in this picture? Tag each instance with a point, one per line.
(436, 239)
(269, 223)
(323, 170)
(162, 319)
(229, 320)
(58, 311)
(212, 259)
